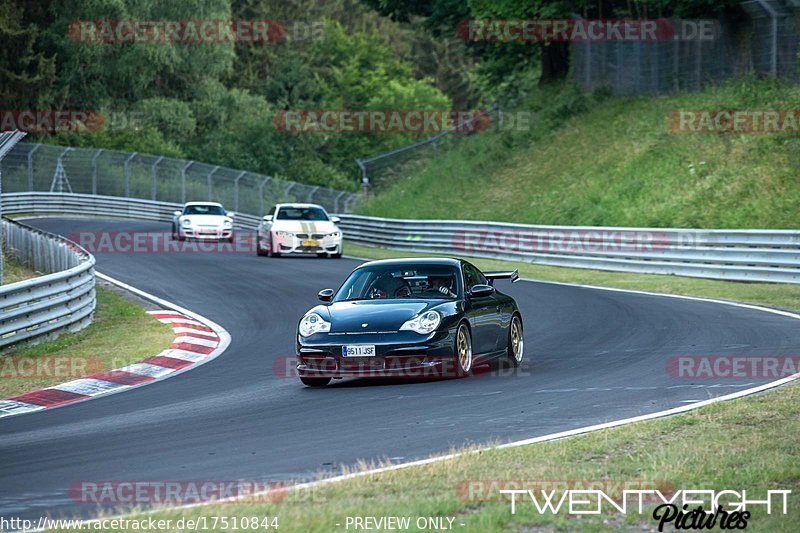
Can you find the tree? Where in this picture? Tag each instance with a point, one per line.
(26, 74)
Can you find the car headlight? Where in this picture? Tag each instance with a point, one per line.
(283, 233)
(424, 323)
(335, 234)
(227, 223)
(313, 323)
(186, 223)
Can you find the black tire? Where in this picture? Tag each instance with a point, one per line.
(336, 256)
(181, 237)
(516, 342)
(173, 234)
(315, 382)
(463, 359)
(259, 250)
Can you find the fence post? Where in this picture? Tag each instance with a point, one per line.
(286, 191)
(311, 194)
(209, 181)
(153, 178)
(261, 194)
(183, 180)
(236, 190)
(336, 202)
(128, 175)
(364, 178)
(94, 170)
(30, 166)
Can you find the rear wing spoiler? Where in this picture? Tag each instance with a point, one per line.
(512, 275)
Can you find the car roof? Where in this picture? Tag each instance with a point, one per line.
(204, 203)
(447, 261)
(300, 206)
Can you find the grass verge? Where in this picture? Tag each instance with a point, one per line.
(749, 443)
(121, 333)
(596, 160)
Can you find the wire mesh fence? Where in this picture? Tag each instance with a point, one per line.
(42, 167)
(380, 170)
(765, 44)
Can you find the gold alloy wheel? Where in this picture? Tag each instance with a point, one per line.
(464, 350)
(517, 344)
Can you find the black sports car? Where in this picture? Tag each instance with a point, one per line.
(409, 318)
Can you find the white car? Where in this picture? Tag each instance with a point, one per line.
(202, 220)
(299, 229)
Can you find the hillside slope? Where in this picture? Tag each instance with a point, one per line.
(598, 160)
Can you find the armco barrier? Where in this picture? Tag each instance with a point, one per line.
(61, 299)
(743, 255)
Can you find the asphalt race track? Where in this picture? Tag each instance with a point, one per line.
(592, 356)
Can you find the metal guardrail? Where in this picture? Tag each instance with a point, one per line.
(743, 255)
(62, 299)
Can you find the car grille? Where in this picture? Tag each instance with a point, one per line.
(316, 236)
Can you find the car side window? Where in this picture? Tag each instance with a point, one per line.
(473, 276)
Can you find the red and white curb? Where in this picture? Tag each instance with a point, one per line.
(197, 341)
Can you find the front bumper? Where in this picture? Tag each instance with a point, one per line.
(294, 245)
(408, 355)
(206, 233)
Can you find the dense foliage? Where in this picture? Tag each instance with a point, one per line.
(215, 102)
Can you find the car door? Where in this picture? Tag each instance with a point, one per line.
(482, 313)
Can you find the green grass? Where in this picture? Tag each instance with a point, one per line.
(749, 443)
(121, 333)
(597, 160)
(14, 271)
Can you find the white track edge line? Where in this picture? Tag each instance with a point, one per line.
(222, 333)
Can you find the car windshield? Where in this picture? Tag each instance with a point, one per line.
(203, 210)
(302, 213)
(438, 282)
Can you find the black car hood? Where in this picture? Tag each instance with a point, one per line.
(379, 315)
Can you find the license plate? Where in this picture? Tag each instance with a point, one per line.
(309, 242)
(359, 350)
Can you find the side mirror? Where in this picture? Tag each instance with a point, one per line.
(326, 295)
(336, 220)
(177, 213)
(267, 218)
(481, 291)
(230, 214)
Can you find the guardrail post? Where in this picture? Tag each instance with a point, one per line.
(236, 190)
(209, 181)
(94, 170)
(128, 175)
(183, 180)
(30, 166)
(153, 178)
